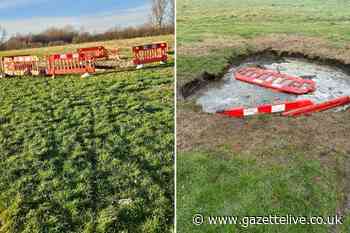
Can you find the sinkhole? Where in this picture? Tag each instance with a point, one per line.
(227, 92)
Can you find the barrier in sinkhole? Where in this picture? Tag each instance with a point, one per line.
(266, 108)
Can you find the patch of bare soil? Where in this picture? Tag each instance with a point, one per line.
(291, 44)
(113, 64)
(317, 134)
(315, 48)
(196, 130)
(205, 47)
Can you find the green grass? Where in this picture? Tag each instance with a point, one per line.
(212, 186)
(91, 155)
(214, 18)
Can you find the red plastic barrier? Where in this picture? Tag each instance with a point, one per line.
(20, 65)
(150, 53)
(319, 107)
(275, 80)
(1, 66)
(71, 63)
(266, 108)
(95, 52)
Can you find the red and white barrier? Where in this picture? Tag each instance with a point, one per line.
(20, 65)
(319, 107)
(266, 108)
(275, 80)
(70, 63)
(150, 53)
(100, 52)
(95, 52)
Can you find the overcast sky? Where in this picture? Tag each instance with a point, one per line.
(24, 16)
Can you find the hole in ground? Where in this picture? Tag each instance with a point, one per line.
(227, 92)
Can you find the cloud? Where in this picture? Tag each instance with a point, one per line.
(99, 22)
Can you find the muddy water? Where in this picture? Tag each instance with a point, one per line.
(331, 82)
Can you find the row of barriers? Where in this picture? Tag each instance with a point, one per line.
(83, 61)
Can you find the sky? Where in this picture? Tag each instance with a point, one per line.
(33, 16)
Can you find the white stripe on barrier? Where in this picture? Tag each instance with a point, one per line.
(22, 59)
(266, 108)
(250, 111)
(276, 85)
(258, 81)
(278, 108)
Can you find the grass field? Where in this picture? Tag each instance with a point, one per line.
(123, 45)
(217, 19)
(92, 155)
(262, 165)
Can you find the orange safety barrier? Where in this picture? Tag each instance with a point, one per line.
(1, 66)
(275, 80)
(266, 108)
(20, 65)
(319, 107)
(100, 52)
(71, 63)
(95, 52)
(150, 53)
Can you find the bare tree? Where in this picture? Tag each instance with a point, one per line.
(172, 12)
(158, 12)
(2, 35)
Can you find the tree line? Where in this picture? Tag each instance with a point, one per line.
(161, 21)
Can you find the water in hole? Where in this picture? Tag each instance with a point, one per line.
(330, 83)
